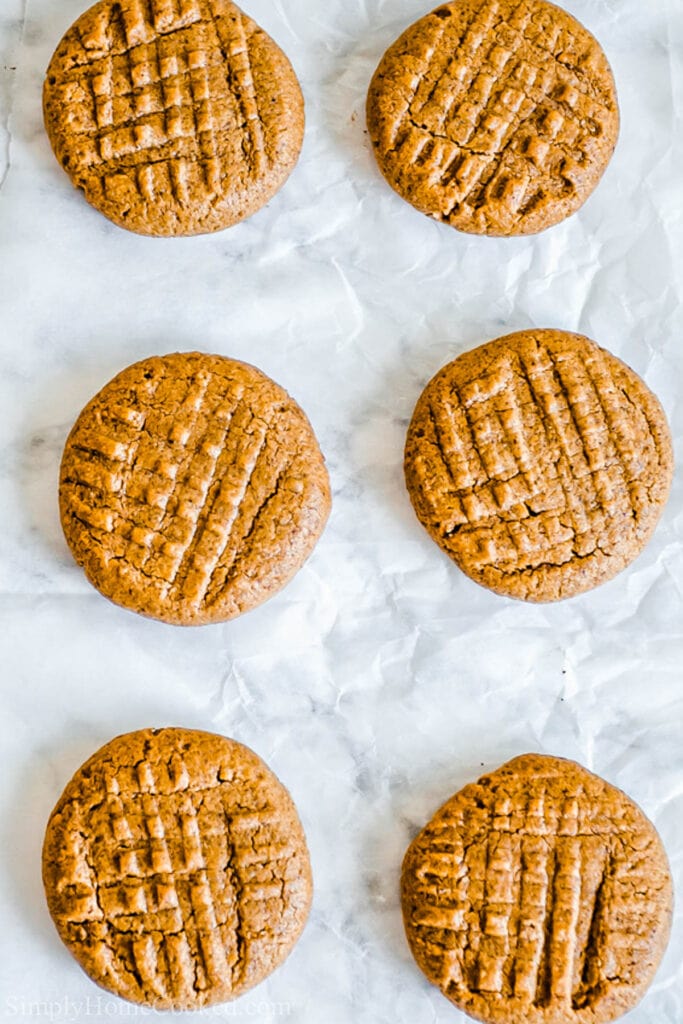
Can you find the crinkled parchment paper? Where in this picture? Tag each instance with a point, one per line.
(381, 679)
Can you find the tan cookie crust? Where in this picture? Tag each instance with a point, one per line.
(176, 869)
(540, 463)
(540, 894)
(192, 488)
(175, 117)
(495, 116)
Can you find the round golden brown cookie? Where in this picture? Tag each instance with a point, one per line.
(176, 868)
(539, 463)
(540, 894)
(192, 488)
(175, 117)
(495, 116)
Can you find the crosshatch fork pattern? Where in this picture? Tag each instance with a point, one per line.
(192, 486)
(178, 892)
(537, 452)
(160, 102)
(498, 116)
(534, 892)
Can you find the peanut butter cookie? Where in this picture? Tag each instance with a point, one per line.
(539, 463)
(495, 116)
(175, 117)
(540, 894)
(192, 488)
(176, 869)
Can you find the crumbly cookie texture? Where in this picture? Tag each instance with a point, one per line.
(175, 117)
(192, 488)
(540, 463)
(495, 116)
(540, 894)
(176, 868)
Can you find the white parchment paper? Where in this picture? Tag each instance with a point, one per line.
(381, 679)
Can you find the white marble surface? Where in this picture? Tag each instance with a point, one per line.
(381, 679)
